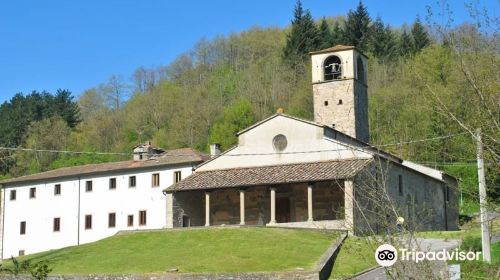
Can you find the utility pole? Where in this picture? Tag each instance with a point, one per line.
(485, 231)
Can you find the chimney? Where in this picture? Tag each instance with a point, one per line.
(280, 111)
(214, 150)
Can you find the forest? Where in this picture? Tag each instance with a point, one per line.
(431, 86)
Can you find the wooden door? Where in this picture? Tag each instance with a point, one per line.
(283, 210)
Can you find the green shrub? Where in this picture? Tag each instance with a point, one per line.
(471, 243)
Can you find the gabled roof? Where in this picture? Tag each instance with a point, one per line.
(337, 48)
(274, 116)
(271, 175)
(172, 157)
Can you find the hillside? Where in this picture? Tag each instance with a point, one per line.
(199, 250)
(418, 87)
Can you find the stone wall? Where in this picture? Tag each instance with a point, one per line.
(191, 204)
(328, 204)
(422, 202)
(343, 103)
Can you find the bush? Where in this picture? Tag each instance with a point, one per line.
(471, 243)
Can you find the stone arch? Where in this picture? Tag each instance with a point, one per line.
(332, 68)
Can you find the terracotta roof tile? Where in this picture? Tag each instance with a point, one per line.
(269, 175)
(171, 157)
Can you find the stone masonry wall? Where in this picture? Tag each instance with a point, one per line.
(421, 203)
(343, 103)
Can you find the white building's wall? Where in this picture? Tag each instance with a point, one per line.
(306, 143)
(40, 211)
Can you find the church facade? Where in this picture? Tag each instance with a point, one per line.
(291, 172)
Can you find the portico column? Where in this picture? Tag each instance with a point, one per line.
(273, 206)
(207, 209)
(242, 207)
(349, 205)
(309, 203)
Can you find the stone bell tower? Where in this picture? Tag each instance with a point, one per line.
(340, 90)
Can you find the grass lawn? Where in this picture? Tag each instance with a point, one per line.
(355, 256)
(204, 250)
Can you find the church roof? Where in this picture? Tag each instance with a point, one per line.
(271, 175)
(172, 157)
(337, 48)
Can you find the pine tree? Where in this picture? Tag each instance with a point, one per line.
(337, 33)
(419, 35)
(303, 38)
(325, 35)
(357, 27)
(382, 42)
(405, 44)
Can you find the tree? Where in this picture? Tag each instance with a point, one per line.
(419, 35)
(47, 134)
(114, 91)
(235, 117)
(405, 44)
(382, 43)
(337, 33)
(357, 28)
(325, 35)
(91, 103)
(65, 107)
(303, 38)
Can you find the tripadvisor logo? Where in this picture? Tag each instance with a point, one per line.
(387, 255)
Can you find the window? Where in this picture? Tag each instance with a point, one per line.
(280, 143)
(32, 192)
(111, 220)
(57, 224)
(13, 195)
(177, 176)
(130, 220)
(142, 217)
(447, 194)
(88, 221)
(400, 184)
(22, 229)
(88, 186)
(132, 181)
(332, 68)
(21, 252)
(112, 183)
(156, 180)
(57, 189)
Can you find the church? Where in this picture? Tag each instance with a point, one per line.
(290, 172)
(283, 172)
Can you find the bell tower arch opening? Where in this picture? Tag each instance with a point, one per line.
(332, 68)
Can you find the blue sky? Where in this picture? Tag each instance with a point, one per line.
(46, 45)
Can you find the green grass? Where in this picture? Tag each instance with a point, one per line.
(480, 269)
(472, 229)
(355, 256)
(204, 250)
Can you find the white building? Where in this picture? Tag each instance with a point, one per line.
(77, 205)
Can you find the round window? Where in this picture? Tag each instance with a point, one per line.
(280, 142)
